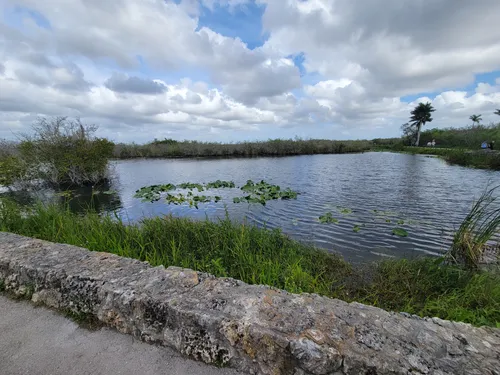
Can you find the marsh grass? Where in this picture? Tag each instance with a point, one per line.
(477, 229)
(482, 159)
(426, 287)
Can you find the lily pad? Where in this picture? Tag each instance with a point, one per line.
(328, 218)
(400, 232)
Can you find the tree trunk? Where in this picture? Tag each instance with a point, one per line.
(417, 143)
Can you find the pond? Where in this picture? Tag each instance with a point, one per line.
(370, 196)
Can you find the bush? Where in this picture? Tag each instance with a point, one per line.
(60, 152)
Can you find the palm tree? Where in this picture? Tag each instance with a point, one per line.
(497, 112)
(476, 119)
(420, 116)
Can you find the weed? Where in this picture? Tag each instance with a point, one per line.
(478, 227)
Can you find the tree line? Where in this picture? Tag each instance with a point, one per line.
(421, 115)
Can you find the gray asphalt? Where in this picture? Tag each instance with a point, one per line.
(38, 341)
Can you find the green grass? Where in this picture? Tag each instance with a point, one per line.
(468, 158)
(258, 256)
(478, 227)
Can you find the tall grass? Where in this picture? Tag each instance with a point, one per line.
(169, 148)
(483, 159)
(478, 227)
(258, 256)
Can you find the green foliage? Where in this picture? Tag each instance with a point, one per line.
(469, 137)
(476, 119)
(345, 211)
(400, 232)
(272, 147)
(62, 152)
(479, 226)
(11, 170)
(426, 287)
(191, 186)
(328, 218)
(421, 115)
(262, 192)
(256, 192)
(467, 158)
(220, 185)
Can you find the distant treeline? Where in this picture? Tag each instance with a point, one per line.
(469, 137)
(170, 148)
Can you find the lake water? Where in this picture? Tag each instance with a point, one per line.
(423, 195)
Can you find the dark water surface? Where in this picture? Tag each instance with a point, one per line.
(382, 190)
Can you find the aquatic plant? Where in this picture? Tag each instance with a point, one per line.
(153, 193)
(400, 232)
(220, 184)
(344, 210)
(328, 218)
(191, 186)
(262, 192)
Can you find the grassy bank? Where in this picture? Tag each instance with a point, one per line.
(483, 159)
(170, 148)
(423, 287)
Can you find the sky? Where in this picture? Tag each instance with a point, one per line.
(235, 70)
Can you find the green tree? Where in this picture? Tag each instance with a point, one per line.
(420, 116)
(409, 133)
(476, 119)
(497, 112)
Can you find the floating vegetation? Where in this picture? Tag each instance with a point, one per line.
(356, 228)
(400, 232)
(401, 222)
(191, 186)
(387, 220)
(220, 185)
(328, 218)
(256, 192)
(262, 192)
(110, 192)
(193, 200)
(153, 193)
(345, 211)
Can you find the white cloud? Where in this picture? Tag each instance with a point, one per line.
(118, 64)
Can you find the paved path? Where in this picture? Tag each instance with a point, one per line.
(37, 341)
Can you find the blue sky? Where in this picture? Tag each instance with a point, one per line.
(243, 69)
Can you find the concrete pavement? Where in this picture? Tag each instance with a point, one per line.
(38, 341)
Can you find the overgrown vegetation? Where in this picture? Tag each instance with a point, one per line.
(59, 152)
(478, 227)
(170, 148)
(423, 286)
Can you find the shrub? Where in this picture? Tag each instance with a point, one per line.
(60, 152)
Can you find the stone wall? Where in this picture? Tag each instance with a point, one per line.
(226, 322)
